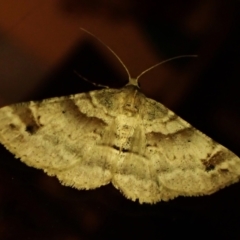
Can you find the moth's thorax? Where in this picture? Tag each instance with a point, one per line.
(131, 100)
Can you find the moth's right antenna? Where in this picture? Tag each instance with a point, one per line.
(119, 59)
(170, 59)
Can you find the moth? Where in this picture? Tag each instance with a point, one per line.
(120, 136)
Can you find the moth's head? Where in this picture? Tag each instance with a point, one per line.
(133, 82)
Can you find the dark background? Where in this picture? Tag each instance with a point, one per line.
(41, 46)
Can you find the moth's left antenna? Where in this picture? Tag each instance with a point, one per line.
(119, 59)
